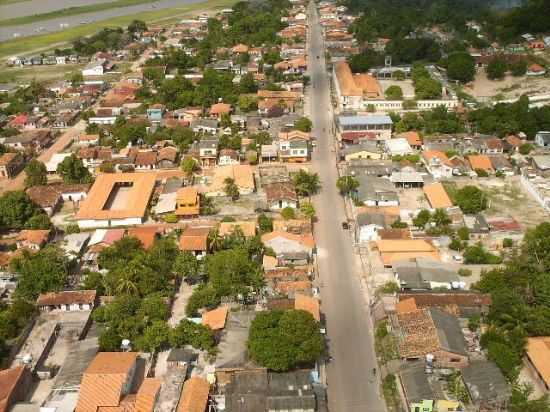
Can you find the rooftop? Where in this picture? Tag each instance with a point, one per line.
(538, 352)
(437, 196)
(216, 318)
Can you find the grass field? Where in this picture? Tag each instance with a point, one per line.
(45, 42)
(71, 11)
(39, 73)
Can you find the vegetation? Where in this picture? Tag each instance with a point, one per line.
(36, 173)
(288, 213)
(17, 210)
(477, 255)
(394, 93)
(347, 184)
(460, 66)
(496, 69)
(72, 170)
(303, 124)
(307, 184)
(285, 340)
(470, 199)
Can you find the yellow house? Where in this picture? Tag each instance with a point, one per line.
(187, 202)
(446, 406)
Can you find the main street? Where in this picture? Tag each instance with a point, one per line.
(351, 384)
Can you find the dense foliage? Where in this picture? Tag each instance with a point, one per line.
(284, 340)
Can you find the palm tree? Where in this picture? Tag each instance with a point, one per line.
(215, 240)
(126, 285)
(231, 189)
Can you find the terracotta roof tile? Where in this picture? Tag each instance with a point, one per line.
(538, 352)
(437, 196)
(309, 304)
(37, 237)
(280, 191)
(146, 235)
(306, 240)
(216, 318)
(480, 162)
(66, 297)
(194, 239)
(248, 228)
(9, 379)
(43, 196)
(194, 396)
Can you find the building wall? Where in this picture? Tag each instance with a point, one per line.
(93, 223)
(284, 203)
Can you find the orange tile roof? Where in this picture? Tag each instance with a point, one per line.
(104, 379)
(437, 196)
(227, 228)
(146, 235)
(242, 174)
(389, 258)
(215, 318)
(7, 158)
(480, 162)
(358, 85)
(94, 206)
(38, 237)
(428, 155)
(538, 352)
(9, 379)
(309, 304)
(147, 395)
(220, 108)
(306, 240)
(368, 85)
(407, 305)
(66, 297)
(194, 238)
(404, 245)
(412, 137)
(293, 286)
(194, 395)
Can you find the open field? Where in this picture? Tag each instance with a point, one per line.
(510, 87)
(70, 11)
(46, 42)
(39, 73)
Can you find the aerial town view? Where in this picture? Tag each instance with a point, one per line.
(274, 205)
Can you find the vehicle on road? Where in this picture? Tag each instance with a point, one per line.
(345, 225)
(317, 57)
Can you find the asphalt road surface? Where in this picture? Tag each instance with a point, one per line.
(351, 384)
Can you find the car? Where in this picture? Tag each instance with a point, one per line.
(457, 258)
(317, 57)
(345, 225)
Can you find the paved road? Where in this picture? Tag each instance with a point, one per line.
(351, 386)
(57, 147)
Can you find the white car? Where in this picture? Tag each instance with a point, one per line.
(457, 258)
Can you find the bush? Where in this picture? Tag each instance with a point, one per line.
(288, 213)
(481, 173)
(170, 218)
(72, 228)
(507, 243)
(463, 233)
(525, 148)
(456, 244)
(470, 199)
(464, 272)
(477, 255)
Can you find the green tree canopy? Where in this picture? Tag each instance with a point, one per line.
(496, 69)
(461, 67)
(347, 184)
(73, 171)
(16, 209)
(36, 173)
(470, 199)
(303, 124)
(284, 340)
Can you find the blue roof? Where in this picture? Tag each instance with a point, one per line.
(359, 120)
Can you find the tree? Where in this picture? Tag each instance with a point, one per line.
(265, 223)
(477, 255)
(155, 336)
(463, 233)
(77, 79)
(189, 166)
(39, 221)
(36, 173)
(427, 89)
(461, 67)
(394, 93)
(288, 213)
(109, 340)
(187, 267)
(230, 188)
(422, 218)
(16, 209)
(526, 148)
(441, 218)
(470, 199)
(107, 167)
(307, 209)
(518, 68)
(40, 272)
(522, 401)
(496, 69)
(399, 224)
(73, 171)
(137, 26)
(303, 124)
(190, 333)
(307, 184)
(248, 103)
(284, 340)
(347, 184)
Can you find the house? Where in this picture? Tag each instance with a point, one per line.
(477, 225)
(32, 239)
(145, 160)
(407, 178)
(116, 199)
(421, 273)
(374, 126)
(501, 164)
(88, 139)
(486, 385)
(288, 246)
(194, 396)
(398, 147)
(147, 235)
(541, 163)
(354, 91)
(95, 68)
(155, 113)
(10, 165)
(208, 152)
(248, 229)
(536, 359)
(308, 304)
(284, 99)
(542, 139)
(367, 226)
(419, 395)
(47, 197)
(535, 69)
(392, 251)
(167, 157)
(205, 126)
(195, 240)
(15, 384)
(432, 331)
(413, 138)
(215, 319)
(108, 382)
(187, 202)
(376, 191)
(68, 300)
(228, 157)
(437, 196)
(217, 110)
(365, 149)
(481, 162)
(242, 175)
(456, 302)
(437, 163)
(280, 195)
(36, 140)
(180, 358)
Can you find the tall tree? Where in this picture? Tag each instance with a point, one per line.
(36, 173)
(73, 171)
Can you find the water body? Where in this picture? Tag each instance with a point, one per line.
(31, 7)
(54, 25)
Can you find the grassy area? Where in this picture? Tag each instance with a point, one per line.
(34, 44)
(3, 2)
(39, 73)
(71, 11)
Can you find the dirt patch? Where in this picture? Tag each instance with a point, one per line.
(510, 87)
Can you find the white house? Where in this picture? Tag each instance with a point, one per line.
(398, 147)
(67, 300)
(95, 68)
(367, 227)
(542, 139)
